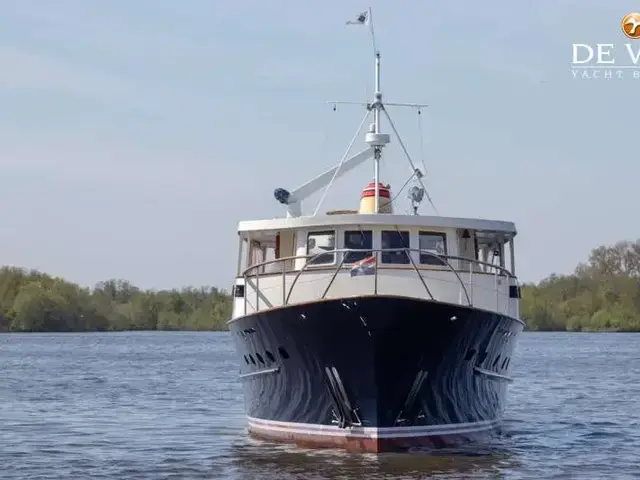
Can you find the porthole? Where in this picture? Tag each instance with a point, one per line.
(283, 353)
(495, 362)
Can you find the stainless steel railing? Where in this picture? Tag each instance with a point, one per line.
(254, 271)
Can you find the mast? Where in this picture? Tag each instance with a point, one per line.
(378, 150)
(374, 139)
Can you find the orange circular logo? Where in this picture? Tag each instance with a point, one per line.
(631, 25)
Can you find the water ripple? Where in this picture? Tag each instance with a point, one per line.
(169, 406)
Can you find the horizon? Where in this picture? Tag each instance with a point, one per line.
(135, 137)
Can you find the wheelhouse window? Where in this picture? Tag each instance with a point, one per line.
(357, 240)
(318, 242)
(434, 243)
(395, 239)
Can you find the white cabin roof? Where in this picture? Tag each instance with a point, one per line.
(325, 221)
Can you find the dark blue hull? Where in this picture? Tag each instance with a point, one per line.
(375, 373)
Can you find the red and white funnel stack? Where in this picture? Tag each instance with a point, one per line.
(368, 195)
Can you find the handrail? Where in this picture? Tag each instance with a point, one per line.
(254, 270)
(276, 260)
(424, 284)
(424, 252)
(376, 250)
(506, 272)
(333, 277)
(439, 257)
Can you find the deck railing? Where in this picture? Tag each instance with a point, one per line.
(255, 271)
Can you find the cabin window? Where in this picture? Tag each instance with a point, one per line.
(357, 240)
(318, 242)
(256, 253)
(434, 243)
(395, 239)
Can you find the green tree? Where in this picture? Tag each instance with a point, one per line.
(603, 294)
(36, 309)
(33, 301)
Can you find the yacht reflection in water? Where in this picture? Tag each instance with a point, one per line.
(256, 459)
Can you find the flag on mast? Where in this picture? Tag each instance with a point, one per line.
(361, 19)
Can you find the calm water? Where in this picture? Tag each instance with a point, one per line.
(168, 405)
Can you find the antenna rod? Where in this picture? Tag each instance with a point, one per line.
(376, 123)
(373, 137)
(376, 118)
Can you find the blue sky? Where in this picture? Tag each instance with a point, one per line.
(135, 135)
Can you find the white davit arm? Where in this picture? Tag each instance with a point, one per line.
(293, 199)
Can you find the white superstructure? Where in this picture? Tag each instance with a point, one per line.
(298, 259)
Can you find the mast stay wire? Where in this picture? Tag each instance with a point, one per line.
(421, 136)
(406, 153)
(367, 18)
(344, 157)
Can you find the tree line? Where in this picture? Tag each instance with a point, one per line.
(31, 301)
(602, 294)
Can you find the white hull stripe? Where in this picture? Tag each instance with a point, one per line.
(258, 424)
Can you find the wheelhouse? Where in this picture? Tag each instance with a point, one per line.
(301, 259)
(290, 244)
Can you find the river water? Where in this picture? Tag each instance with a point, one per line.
(155, 405)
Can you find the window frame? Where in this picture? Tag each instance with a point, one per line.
(432, 261)
(362, 252)
(333, 255)
(387, 257)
